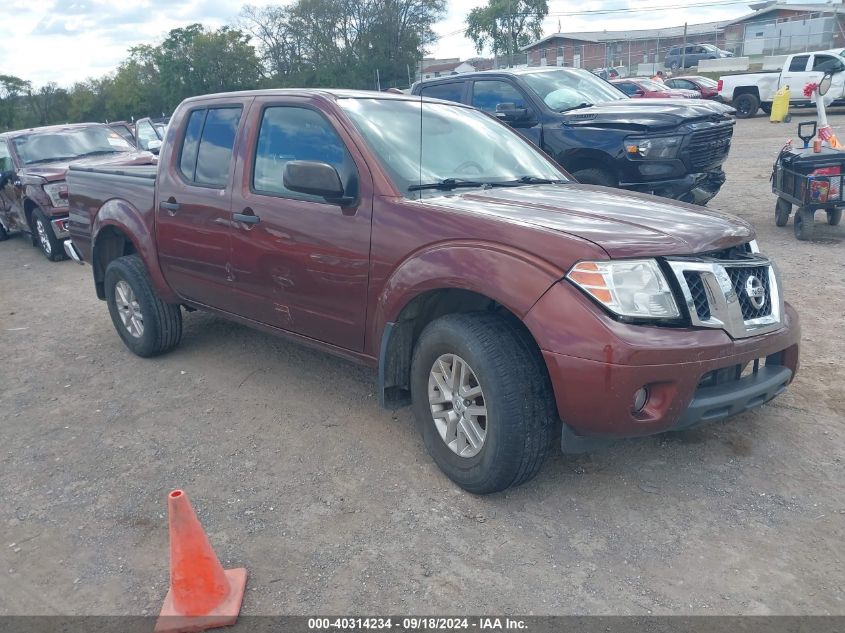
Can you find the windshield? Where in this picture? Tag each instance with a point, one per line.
(459, 145)
(42, 147)
(570, 88)
(706, 82)
(651, 86)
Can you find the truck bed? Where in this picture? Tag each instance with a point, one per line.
(131, 188)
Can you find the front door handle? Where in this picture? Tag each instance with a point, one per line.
(246, 218)
(169, 206)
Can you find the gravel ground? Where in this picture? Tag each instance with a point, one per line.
(334, 505)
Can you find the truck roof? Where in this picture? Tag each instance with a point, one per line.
(47, 129)
(332, 94)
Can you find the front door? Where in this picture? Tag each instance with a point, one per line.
(301, 263)
(11, 211)
(193, 220)
(488, 94)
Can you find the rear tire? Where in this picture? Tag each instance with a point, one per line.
(834, 216)
(746, 106)
(505, 377)
(782, 211)
(595, 177)
(44, 238)
(804, 224)
(146, 324)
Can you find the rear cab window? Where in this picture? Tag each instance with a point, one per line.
(799, 63)
(452, 91)
(206, 154)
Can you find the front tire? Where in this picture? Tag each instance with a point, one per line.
(804, 224)
(746, 106)
(146, 324)
(44, 237)
(482, 401)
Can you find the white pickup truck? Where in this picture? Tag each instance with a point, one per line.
(751, 91)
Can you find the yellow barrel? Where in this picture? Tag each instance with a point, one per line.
(780, 105)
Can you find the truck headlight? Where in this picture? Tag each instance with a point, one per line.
(663, 147)
(630, 288)
(57, 192)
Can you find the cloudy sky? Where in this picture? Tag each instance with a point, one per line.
(69, 40)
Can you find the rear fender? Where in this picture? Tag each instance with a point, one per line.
(127, 220)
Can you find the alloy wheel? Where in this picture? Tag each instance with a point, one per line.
(43, 238)
(129, 309)
(457, 405)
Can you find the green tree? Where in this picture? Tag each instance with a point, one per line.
(13, 91)
(503, 26)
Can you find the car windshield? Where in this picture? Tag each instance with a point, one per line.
(43, 147)
(706, 82)
(433, 146)
(709, 47)
(650, 85)
(570, 88)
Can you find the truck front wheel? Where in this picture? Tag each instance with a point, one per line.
(44, 237)
(746, 105)
(146, 324)
(482, 401)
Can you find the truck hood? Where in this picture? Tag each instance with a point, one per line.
(647, 114)
(623, 223)
(56, 171)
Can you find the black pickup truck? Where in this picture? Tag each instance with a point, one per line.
(669, 147)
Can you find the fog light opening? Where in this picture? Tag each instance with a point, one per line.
(640, 399)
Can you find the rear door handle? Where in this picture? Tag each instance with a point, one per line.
(169, 206)
(246, 218)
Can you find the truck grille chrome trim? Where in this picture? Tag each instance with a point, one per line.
(741, 297)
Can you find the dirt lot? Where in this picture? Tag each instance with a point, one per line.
(333, 504)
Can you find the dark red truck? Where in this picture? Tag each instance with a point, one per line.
(498, 297)
(33, 164)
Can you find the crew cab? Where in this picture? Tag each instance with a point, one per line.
(749, 92)
(494, 294)
(673, 148)
(33, 163)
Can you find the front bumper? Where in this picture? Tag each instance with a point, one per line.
(692, 375)
(695, 188)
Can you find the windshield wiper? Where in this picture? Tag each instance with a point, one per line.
(100, 151)
(581, 105)
(52, 159)
(537, 180)
(448, 184)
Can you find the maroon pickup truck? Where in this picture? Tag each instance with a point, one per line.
(498, 297)
(33, 163)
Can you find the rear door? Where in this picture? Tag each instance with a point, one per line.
(193, 218)
(449, 91)
(795, 76)
(301, 263)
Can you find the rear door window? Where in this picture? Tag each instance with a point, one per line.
(453, 91)
(488, 94)
(798, 63)
(206, 157)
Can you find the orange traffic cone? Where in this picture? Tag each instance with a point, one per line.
(202, 594)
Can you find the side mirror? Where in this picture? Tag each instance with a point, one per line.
(315, 179)
(154, 147)
(509, 113)
(824, 84)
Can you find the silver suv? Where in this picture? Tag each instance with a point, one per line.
(678, 58)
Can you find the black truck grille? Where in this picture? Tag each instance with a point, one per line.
(739, 280)
(699, 294)
(709, 148)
